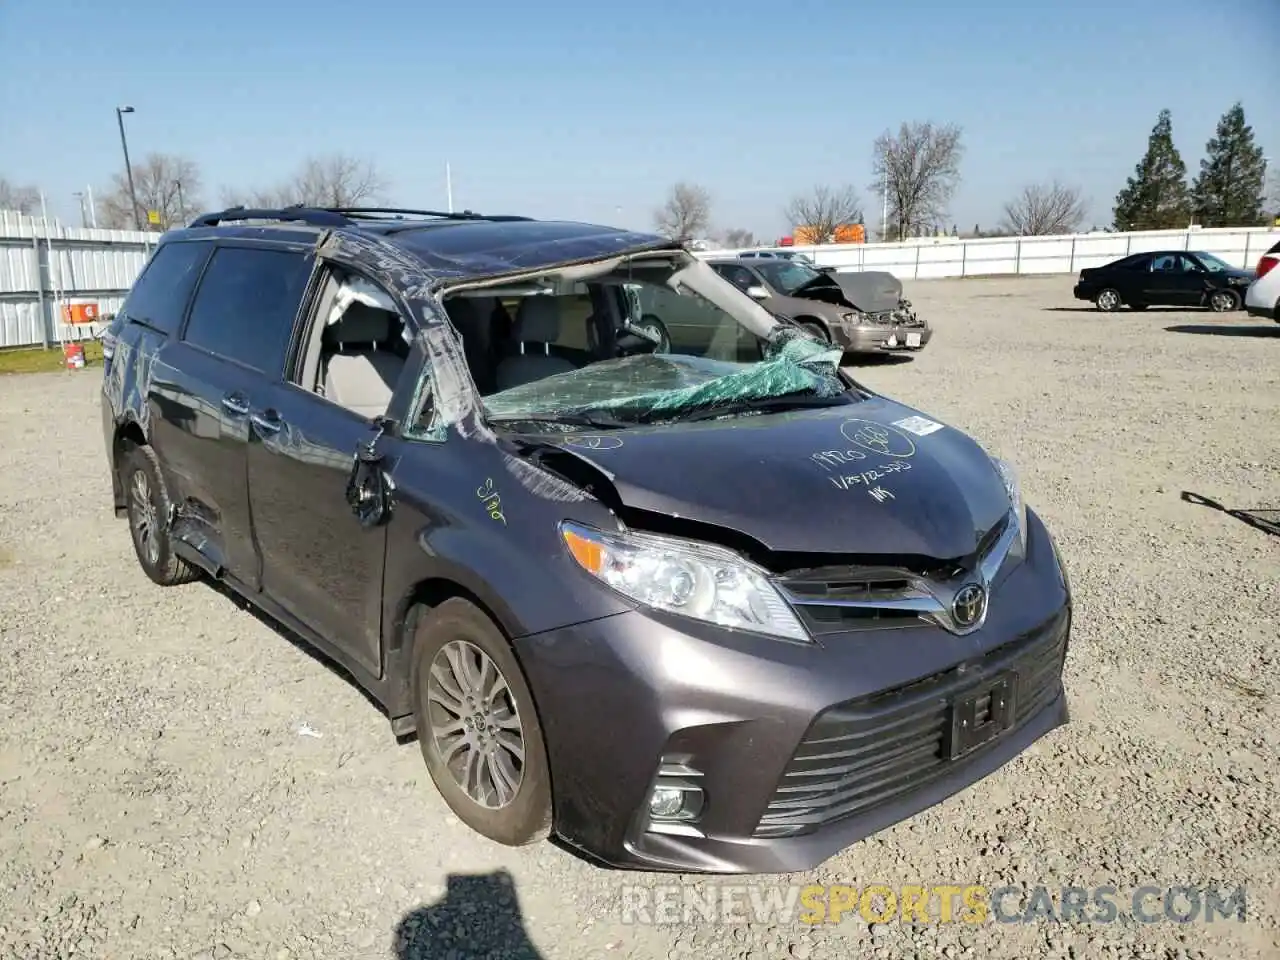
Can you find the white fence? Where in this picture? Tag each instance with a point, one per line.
(930, 257)
(45, 264)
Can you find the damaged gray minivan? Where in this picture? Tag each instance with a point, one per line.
(860, 311)
(697, 602)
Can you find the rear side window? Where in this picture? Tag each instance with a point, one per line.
(159, 297)
(246, 305)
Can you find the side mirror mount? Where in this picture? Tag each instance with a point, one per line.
(757, 292)
(369, 488)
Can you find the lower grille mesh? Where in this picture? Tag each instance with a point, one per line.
(862, 753)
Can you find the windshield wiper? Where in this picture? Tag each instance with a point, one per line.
(598, 420)
(763, 405)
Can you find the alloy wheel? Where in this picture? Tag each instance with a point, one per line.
(474, 724)
(143, 513)
(1222, 302)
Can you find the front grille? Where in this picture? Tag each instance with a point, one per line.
(846, 598)
(865, 752)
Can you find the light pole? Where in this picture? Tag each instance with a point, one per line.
(884, 199)
(182, 207)
(84, 220)
(128, 169)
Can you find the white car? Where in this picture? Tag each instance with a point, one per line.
(1262, 299)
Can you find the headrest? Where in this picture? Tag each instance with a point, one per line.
(537, 320)
(361, 323)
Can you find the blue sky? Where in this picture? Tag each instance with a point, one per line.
(591, 110)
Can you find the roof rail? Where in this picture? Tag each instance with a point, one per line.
(400, 213)
(316, 217)
(338, 216)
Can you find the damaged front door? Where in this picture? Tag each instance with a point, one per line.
(319, 562)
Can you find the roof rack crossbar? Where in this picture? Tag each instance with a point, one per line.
(314, 216)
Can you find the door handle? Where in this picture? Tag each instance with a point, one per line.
(267, 424)
(236, 404)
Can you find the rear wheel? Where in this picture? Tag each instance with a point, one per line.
(477, 726)
(1224, 301)
(1108, 300)
(147, 503)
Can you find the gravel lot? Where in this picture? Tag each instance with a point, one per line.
(161, 794)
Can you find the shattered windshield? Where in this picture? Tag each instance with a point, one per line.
(640, 346)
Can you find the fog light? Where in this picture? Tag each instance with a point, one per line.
(666, 803)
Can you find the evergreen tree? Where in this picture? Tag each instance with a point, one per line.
(1156, 196)
(1228, 191)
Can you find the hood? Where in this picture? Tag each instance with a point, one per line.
(874, 477)
(871, 291)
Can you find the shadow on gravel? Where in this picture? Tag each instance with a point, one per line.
(1209, 330)
(478, 917)
(281, 630)
(1124, 311)
(875, 360)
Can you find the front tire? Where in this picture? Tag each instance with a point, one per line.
(659, 330)
(477, 726)
(147, 504)
(1224, 301)
(1108, 300)
(815, 330)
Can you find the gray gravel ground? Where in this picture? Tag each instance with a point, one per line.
(157, 798)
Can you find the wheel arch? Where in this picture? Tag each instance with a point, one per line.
(815, 320)
(128, 433)
(423, 596)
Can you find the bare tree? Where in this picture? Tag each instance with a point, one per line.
(270, 198)
(823, 210)
(919, 170)
(166, 184)
(19, 197)
(1041, 209)
(335, 180)
(1271, 195)
(686, 212)
(738, 239)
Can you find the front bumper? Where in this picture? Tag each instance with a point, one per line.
(1085, 292)
(752, 721)
(881, 338)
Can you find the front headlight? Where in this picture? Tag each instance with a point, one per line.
(1016, 504)
(685, 577)
(851, 317)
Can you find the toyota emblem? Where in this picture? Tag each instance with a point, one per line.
(969, 606)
